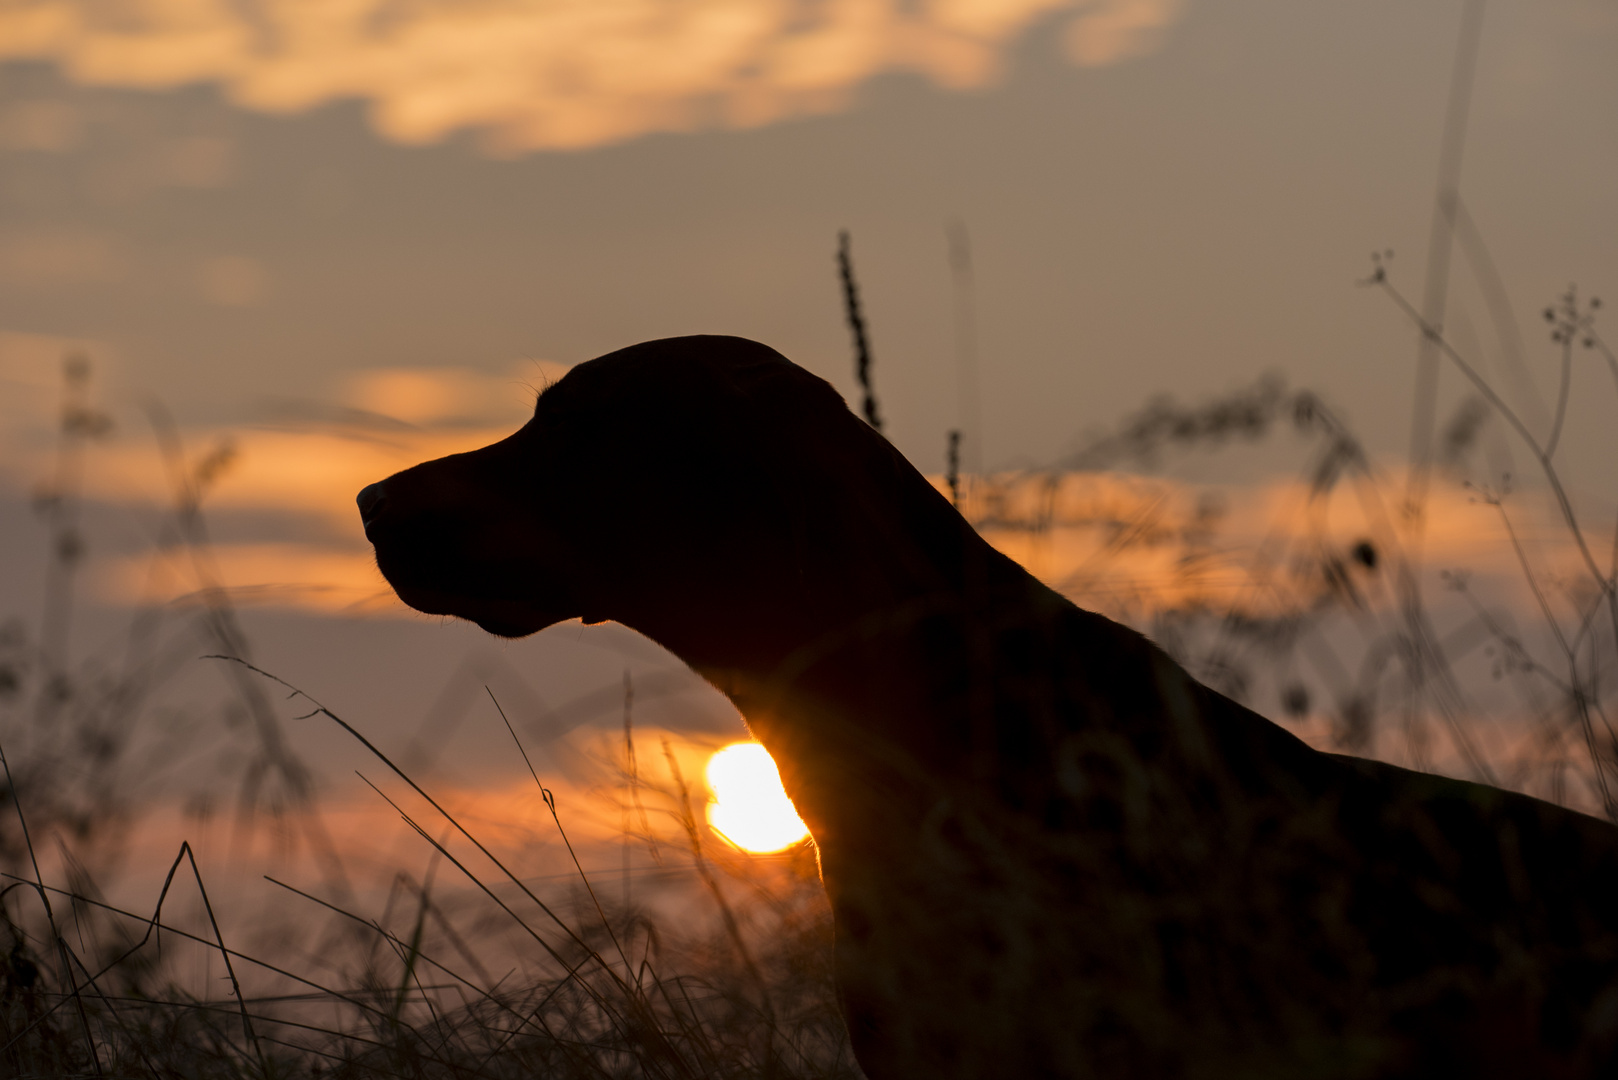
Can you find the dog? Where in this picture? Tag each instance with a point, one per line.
(1049, 851)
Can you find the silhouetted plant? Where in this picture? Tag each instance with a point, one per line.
(856, 326)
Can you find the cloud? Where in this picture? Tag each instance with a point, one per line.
(306, 577)
(1131, 547)
(558, 74)
(1108, 33)
(1122, 545)
(429, 396)
(309, 474)
(506, 812)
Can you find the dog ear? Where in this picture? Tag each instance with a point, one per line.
(851, 500)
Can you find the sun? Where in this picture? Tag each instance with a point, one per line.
(750, 807)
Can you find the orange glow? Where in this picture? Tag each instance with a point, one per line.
(284, 575)
(750, 807)
(1113, 543)
(561, 74)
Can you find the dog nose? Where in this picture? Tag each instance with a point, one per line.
(372, 498)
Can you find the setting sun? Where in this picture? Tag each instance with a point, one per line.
(750, 807)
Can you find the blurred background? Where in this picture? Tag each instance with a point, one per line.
(256, 255)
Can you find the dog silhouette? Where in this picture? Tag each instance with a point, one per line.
(1049, 851)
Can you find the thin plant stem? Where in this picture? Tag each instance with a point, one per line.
(550, 803)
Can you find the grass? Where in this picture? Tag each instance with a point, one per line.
(1346, 632)
(92, 989)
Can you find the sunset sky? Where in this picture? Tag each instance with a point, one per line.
(238, 205)
(343, 237)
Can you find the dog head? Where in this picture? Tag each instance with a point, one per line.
(673, 470)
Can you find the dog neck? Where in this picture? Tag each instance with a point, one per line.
(852, 682)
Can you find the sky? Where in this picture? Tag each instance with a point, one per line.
(338, 238)
(242, 203)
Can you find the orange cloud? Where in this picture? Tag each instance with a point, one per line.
(284, 575)
(1132, 546)
(311, 465)
(428, 396)
(559, 74)
(1128, 546)
(503, 810)
(1123, 545)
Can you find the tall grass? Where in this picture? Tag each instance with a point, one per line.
(1348, 634)
(410, 985)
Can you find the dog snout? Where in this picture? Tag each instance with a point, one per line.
(372, 500)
